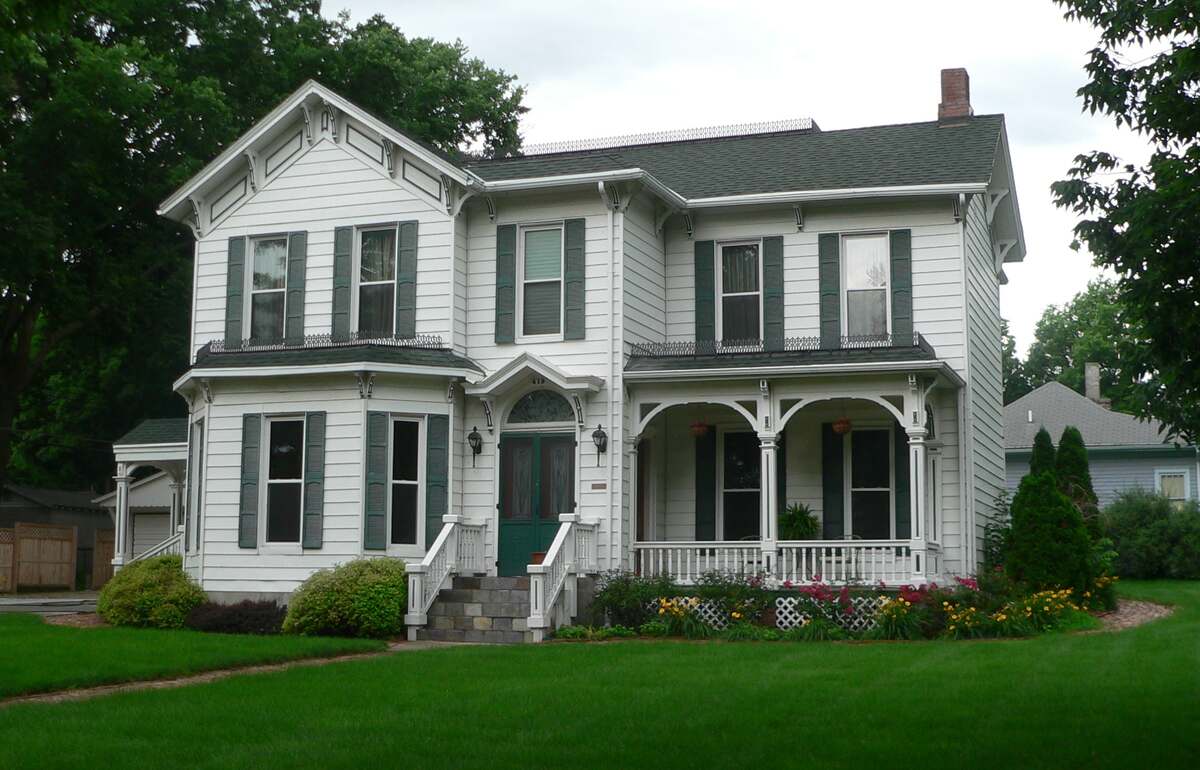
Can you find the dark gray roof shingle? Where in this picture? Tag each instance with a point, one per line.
(163, 430)
(339, 354)
(639, 363)
(1056, 406)
(877, 156)
(56, 498)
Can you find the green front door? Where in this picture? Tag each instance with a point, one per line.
(537, 483)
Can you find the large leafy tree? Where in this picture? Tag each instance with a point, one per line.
(1089, 328)
(1143, 221)
(109, 106)
(1016, 381)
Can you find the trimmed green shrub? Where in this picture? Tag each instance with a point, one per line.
(1154, 538)
(1042, 459)
(654, 628)
(150, 593)
(245, 617)
(624, 599)
(1075, 477)
(1049, 546)
(815, 630)
(364, 597)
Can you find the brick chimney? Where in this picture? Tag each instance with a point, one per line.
(956, 96)
(1091, 384)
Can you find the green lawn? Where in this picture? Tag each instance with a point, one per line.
(36, 657)
(1108, 700)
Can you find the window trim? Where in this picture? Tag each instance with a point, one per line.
(356, 282)
(843, 284)
(558, 336)
(721, 490)
(194, 503)
(248, 290)
(718, 284)
(1159, 473)
(416, 549)
(848, 487)
(265, 481)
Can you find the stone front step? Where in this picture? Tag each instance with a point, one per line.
(480, 609)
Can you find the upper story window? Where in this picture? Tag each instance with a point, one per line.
(268, 288)
(377, 281)
(739, 291)
(866, 278)
(540, 281)
(285, 479)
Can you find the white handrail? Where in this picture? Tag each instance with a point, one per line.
(457, 548)
(172, 544)
(553, 584)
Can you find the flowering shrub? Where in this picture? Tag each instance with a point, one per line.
(966, 622)
(1044, 610)
(654, 628)
(682, 618)
(897, 619)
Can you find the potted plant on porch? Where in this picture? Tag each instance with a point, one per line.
(797, 522)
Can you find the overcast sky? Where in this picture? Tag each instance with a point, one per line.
(615, 67)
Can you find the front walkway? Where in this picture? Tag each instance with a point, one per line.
(56, 603)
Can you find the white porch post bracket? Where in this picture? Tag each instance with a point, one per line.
(916, 495)
(121, 549)
(769, 500)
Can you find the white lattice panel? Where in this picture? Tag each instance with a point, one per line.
(707, 610)
(788, 613)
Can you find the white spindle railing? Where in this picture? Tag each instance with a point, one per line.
(458, 548)
(553, 585)
(893, 562)
(173, 544)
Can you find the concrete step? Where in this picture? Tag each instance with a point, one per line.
(492, 636)
(491, 583)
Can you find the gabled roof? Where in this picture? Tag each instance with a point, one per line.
(903, 155)
(1056, 406)
(164, 430)
(55, 498)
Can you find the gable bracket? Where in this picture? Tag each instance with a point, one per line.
(389, 155)
(490, 202)
(798, 210)
(308, 130)
(252, 165)
(689, 223)
(487, 413)
(661, 219)
(366, 383)
(579, 415)
(194, 222)
(993, 202)
(456, 197)
(957, 206)
(329, 119)
(1000, 249)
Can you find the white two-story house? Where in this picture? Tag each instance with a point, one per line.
(628, 353)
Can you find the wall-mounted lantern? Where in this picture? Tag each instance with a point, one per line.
(476, 442)
(600, 439)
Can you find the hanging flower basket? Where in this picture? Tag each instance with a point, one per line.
(841, 426)
(699, 429)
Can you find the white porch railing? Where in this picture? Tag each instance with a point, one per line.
(892, 562)
(457, 549)
(173, 544)
(553, 584)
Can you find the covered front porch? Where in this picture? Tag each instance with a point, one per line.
(162, 445)
(794, 479)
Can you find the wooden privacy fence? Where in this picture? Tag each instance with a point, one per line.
(44, 556)
(7, 540)
(102, 555)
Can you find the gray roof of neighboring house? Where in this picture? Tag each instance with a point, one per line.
(56, 498)
(790, 161)
(1056, 406)
(165, 430)
(338, 354)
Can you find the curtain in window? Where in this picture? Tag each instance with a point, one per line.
(542, 298)
(739, 277)
(866, 261)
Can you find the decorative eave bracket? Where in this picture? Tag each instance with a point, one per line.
(193, 221)
(366, 383)
(689, 223)
(252, 167)
(798, 210)
(1000, 249)
(308, 129)
(389, 156)
(993, 202)
(490, 202)
(329, 119)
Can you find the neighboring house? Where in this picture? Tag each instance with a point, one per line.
(60, 507)
(605, 354)
(150, 508)
(1124, 451)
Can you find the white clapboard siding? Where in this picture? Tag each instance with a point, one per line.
(325, 188)
(645, 274)
(985, 388)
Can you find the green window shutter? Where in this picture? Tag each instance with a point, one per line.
(343, 244)
(437, 468)
(235, 277)
(833, 507)
(297, 261)
(830, 280)
(773, 292)
(706, 289)
(506, 283)
(314, 480)
(248, 506)
(902, 315)
(574, 231)
(376, 494)
(903, 504)
(706, 485)
(781, 473)
(406, 281)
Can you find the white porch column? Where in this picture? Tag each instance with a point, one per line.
(769, 500)
(121, 545)
(176, 505)
(916, 496)
(635, 514)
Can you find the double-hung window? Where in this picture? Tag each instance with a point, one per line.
(866, 277)
(1173, 485)
(405, 498)
(739, 292)
(285, 479)
(376, 281)
(540, 281)
(268, 288)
